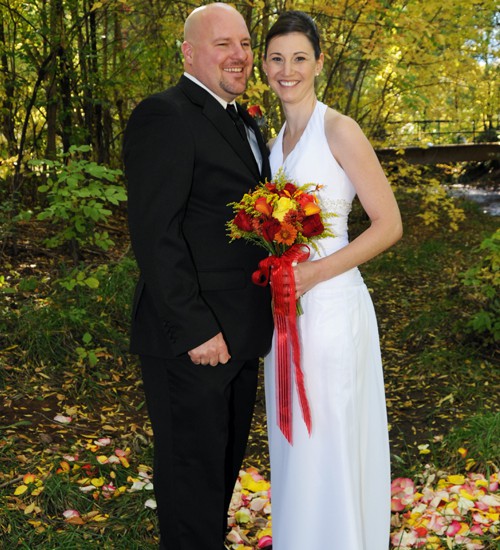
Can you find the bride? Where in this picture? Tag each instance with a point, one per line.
(330, 489)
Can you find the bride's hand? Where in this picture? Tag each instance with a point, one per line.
(306, 277)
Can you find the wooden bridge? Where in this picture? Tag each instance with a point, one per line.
(443, 154)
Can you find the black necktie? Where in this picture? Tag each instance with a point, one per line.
(238, 122)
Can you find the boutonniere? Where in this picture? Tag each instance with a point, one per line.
(256, 113)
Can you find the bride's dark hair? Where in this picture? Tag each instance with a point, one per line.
(295, 21)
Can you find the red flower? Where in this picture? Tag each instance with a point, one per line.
(312, 226)
(254, 111)
(270, 228)
(293, 217)
(262, 206)
(243, 221)
(289, 190)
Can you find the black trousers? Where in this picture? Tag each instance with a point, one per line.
(201, 417)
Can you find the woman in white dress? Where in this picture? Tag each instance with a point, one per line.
(330, 489)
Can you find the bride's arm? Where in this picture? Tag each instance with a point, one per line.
(355, 154)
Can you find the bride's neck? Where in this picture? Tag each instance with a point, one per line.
(297, 116)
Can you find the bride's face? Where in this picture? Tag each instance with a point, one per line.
(291, 67)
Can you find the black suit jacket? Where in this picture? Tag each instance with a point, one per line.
(184, 162)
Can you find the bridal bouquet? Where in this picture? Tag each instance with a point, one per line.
(285, 219)
(279, 215)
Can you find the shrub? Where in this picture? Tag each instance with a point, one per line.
(484, 281)
(79, 195)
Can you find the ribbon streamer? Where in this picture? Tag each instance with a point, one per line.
(278, 271)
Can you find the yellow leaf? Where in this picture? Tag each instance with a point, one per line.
(65, 467)
(470, 462)
(35, 522)
(100, 517)
(124, 461)
(424, 449)
(456, 479)
(28, 478)
(247, 482)
(97, 481)
(20, 490)
(90, 515)
(29, 509)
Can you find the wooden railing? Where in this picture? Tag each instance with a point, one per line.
(437, 154)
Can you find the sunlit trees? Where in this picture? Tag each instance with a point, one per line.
(72, 70)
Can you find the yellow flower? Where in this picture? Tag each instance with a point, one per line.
(282, 206)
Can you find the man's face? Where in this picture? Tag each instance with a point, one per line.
(218, 53)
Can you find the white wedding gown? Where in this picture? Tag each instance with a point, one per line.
(331, 490)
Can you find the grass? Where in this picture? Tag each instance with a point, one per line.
(65, 352)
(478, 434)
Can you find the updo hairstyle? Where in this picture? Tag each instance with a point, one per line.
(295, 21)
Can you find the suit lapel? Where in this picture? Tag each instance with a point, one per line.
(214, 112)
(220, 119)
(249, 121)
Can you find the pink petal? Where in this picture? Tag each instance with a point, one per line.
(265, 541)
(453, 529)
(62, 419)
(234, 536)
(258, 504)
(397, 505)
(71, 514)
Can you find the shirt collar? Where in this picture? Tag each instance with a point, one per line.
(223, 102)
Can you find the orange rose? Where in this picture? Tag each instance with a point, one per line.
(262, 206)
(309, 204)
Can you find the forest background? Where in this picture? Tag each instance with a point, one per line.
(411, 72)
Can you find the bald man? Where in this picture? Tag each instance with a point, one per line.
(199, 324)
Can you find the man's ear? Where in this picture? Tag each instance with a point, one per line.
(187, 52)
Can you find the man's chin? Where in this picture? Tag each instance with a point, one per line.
(235, 89)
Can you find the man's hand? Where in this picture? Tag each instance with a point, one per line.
(212, 352)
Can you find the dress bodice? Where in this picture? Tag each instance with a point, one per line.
(311, 161)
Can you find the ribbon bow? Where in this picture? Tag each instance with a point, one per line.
(278, 270)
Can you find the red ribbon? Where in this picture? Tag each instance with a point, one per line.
(279, 271)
